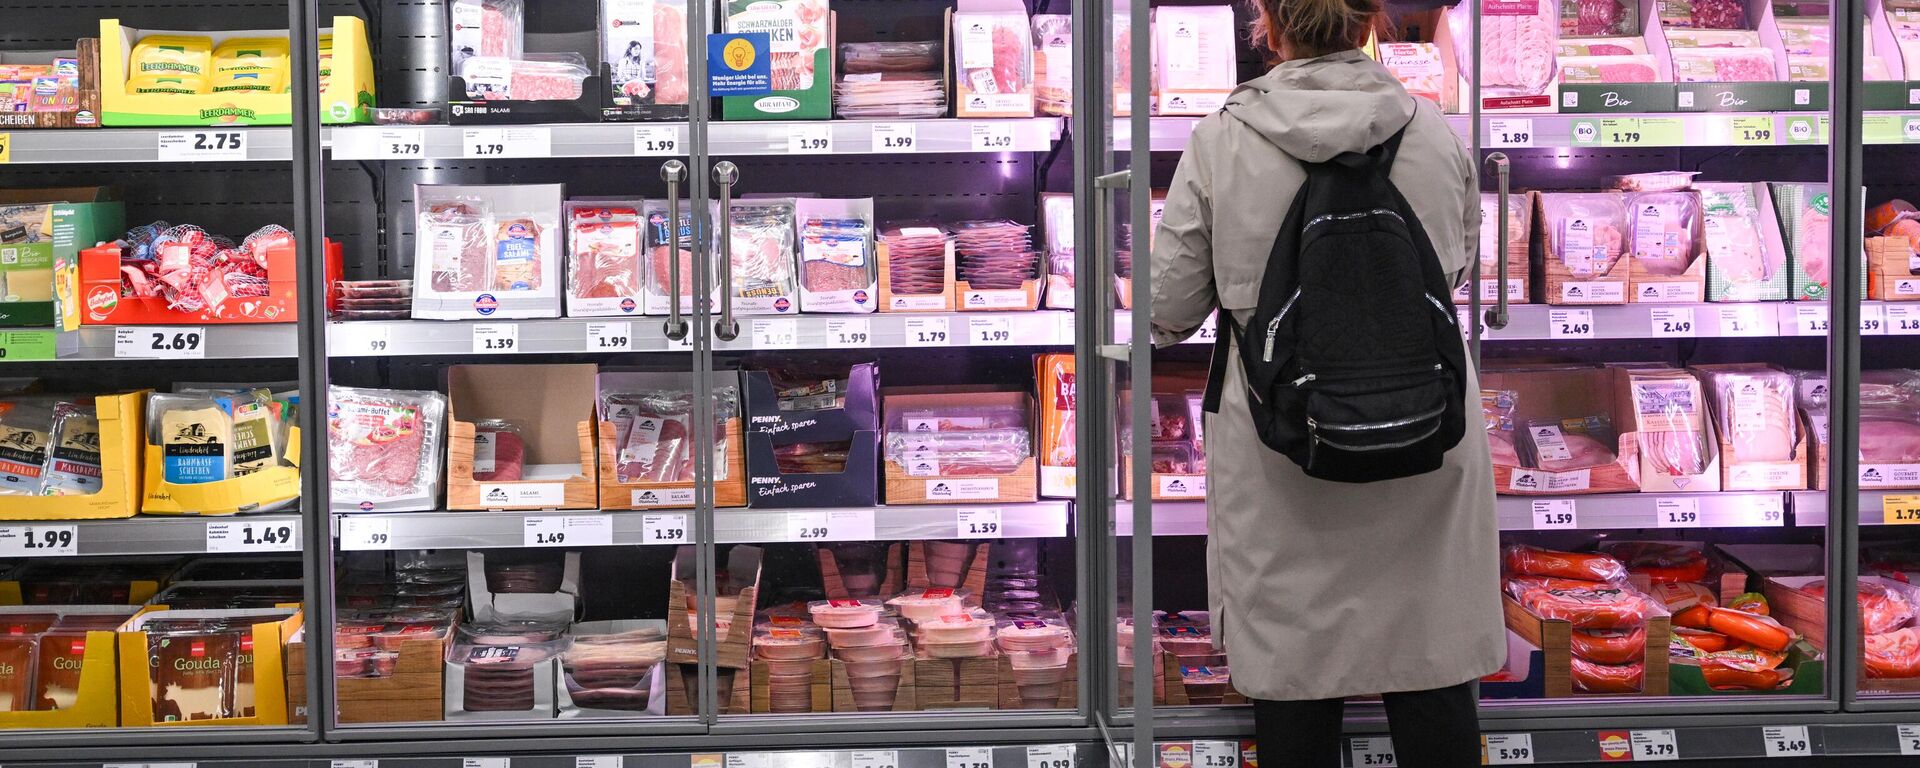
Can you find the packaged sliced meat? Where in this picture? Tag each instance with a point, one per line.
(1806, 213)
(763, 250)
(1713, 38)
(486, 28)
(1564, 445)
(1610, 646)
(517, 257)
(1496, 411)
(1723, 65)
(839, 269)
(499, 452)
(1663, 230)
(1670, 418)
(1754, 406)
(1703, 14)
(1526, 560)
(538, 77)
(384, 445)
(497, 662)
(452, 236)
(1058, 435)
(644, 46)
(1882, 608)
(797, 29)
(890, 56)
(919, 267)
(993, 64)
(1588, 18)
(1602, 46)
(605, 273)
(1639, 68)
(613, 670)
(1517, 42)
(1739, 263)
(666, 242)
(1193, 53)
(1586, 231)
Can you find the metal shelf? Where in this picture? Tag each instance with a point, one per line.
(485, 529)
(152, 535)
(1594, 131)
(1538, 322)
(149, 145)
(1642, 510)
(1810, 507)
(574, 335)
(824, 137)
(1170, 518)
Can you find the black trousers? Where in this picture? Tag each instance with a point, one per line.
(1431, 729)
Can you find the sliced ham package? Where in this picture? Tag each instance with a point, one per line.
(1517, 41)
(1589, 18)
(1664, 230)
(1743, 262)
(385, 449)
(1806, 219)
(993, 63)
(839, 264)
(669, 241)
(1586, 231)
(1672, 431)
(763, 246)
(1758, 426)
(606, 274)
(487, 251)
(1193, 50)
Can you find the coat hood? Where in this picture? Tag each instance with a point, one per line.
(1315, 109)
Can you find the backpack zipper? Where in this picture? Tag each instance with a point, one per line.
(1317, 439)
(1273, 327)
(1451, 320)
(1326, 217)
(1390, 424)
(1316, 377)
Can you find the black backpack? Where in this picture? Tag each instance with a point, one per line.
(1354, 363)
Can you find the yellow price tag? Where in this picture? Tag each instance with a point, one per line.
(6, 147)
(1900, 509)
(1751, 131)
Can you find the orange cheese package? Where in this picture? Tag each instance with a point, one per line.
(1525, 560)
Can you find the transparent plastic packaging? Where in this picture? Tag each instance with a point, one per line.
(1586, 231)
(890, 56)
(1670, 419)
(499, 451)
(1527, 560)
(788, 644)
(653, 435)
(537, 77)
(1496, 411)
(925, 604)
(498, 661)
(846, 614)
(454, 233)
(837, 255)
(972, 626)
(603, 245)
(1658, 181)
(763, 250)
(887, 634)
(486, 28)
(1733, 235)
(1756, 414)
(73, 451)
(1564, 445)
(384, 444)
(1585, 604)
(195, 437)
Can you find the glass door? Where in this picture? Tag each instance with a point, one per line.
(526, 438)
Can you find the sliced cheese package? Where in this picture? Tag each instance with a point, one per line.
(25, 430)
(195, 436)
(73, 457)
(255, 431)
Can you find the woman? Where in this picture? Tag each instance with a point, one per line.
(1325, 590)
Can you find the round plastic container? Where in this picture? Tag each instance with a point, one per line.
(875, 701)
(955, 628)
(1186, 641)
(1052, 657)
(869, 652)
(884, 633)
(1034, 635)
(877, 668)
(874, 684)
(845, 614)
(1054, 675)
(966, 650)
(788, 644)
(924, 604)
(778, 667)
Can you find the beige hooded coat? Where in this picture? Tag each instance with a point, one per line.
(1321, 589)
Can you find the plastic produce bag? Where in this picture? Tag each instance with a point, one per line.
(384, 444)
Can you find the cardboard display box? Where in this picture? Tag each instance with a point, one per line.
(974, 580)
(96, 703)
(743, 566)
(857, 423)
(943, 301)
(734, 695)
(97, 284)
(348, 97)
(955, 683)
(843, 700)
(1012, 694)
(85, 108)
(271, 488)
(1561, 285)
(1890, 269)
(1806, 613)
(1738, 474)
(1177, 691)
(557, 427)
(1520, 207)
(55, 226)
(656, 680)
(485, 605)
(891, 582)
(1558, 393)
(122, 431)
(414, 693)
(268, 660)
(821, 688)
(728, 491)
(1554, 640)
(918, 485)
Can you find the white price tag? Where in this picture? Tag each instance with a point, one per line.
(486, 762)
(253, 537)
(970, 757)
(1370, 751)
(496, 338)
(836, 525)
(1676, 513)
(365, 533)
(568, 531)
(1512, 132)
(978, 523)
(810, 139)
(990, 331)
(925, 331)
(1671, 322)
(876, 758)
(665, 529)
(1810, 319)
(1873, 320)
(39, 540)
(1509, 749)
(1050, 756)
(597, 761)
(609, 337)
(373, 339)
(353, 764)
(896, 137)
(1768, 510)
(1742, 321)
(1216, 754)
(1909, 739)
(776, 334)
(1787, 741)
(160, 342)
(1902, 320)
(991, 137)
(402, 144)
(1654, 745)
(1570, 324)
(850, 333)
(748, 760)
(1554, 515)
(190, 146)
(656, 140)
(497, 143)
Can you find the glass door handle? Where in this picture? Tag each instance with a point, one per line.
(674, 172)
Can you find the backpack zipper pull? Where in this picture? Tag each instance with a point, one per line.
(1304, 379)
(1273, 330)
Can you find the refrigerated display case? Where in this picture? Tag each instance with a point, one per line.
(656, 423)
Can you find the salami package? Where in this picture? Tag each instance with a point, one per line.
(499, 451)
(653, 433)
(839, 269)
(385, 449)
(993, 63)
(1663, 230)
(1703, 14)
(487, 251)
(494, 28)
(665, 243)
(1590, 18)
(1586, 231)
(606, 276)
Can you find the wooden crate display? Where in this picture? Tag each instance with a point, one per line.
(956, 683)
(1012, 693)
(913, 485)
(683, 637)
(1519, 249)
(932, 302)
(1554, 638)
(413, 693)
(558, 428)
(731, 492)
(843, 689)
(1806, 613)
(821, 693)
(733, 696)
(974, 581)
(1562, 286)
(891, 583)
(1177, 693)
(1159, 681)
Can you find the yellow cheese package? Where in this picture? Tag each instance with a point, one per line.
(170, 64)
(250, 65)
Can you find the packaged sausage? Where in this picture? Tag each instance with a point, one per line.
(1586, 605)
(25, 433)
(1893, 654)
(384, 446)
(1527, 560)
(1592, 677)
(1585, 230)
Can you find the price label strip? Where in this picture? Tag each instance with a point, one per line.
(39, 540)
(160, 342)
(896, 137)
(1900, 509)
(28, 346)
(856, 333)
(402, 144)
(597, 761)
(876, 758)
(1902, 320)
(609, 337)
(1909, 736)
(1873, 320)
(1751, 131)
(253, 537)
(1810, 320)
(776, 334)
(1742, 321)
(1676, 513)
(496, 338)
(1555, 515)
(1654, 745)
(567, 531)
(366, 338)
(1511, 132)
(1570, 324)
(656, 140)
(201, 146)
(927, 331)
(1050, 756)
(990, 331)
(486, 762)
(1787, 741)
(810, 139)
(1371, 752)
(978, 523)
(991, 137)
(501, 143)
(1671, 322)
(365, 534)
(1508, 749)
(970, 757)
(1216, 754)
(665, 529)
(353, 764)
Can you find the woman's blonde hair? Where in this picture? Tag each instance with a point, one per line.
(1299, 29)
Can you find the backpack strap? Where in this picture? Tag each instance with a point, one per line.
(1391, 148)
(1225, 333)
